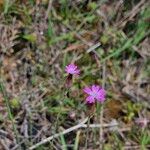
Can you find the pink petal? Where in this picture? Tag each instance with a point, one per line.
(77, 71)
(95, 88)
(102, 92)
(90, 99)
(75, 67)
(67, 68)
(72, 69)
(101, 95)
(87, 90)
(101, 99)
(72, 66)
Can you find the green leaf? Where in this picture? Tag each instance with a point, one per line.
(15, 103)
(30, 37)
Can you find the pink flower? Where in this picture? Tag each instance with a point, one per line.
(95, 92)
(72, 69)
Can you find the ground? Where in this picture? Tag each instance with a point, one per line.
(109, 42)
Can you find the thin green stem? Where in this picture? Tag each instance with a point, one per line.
(58, 115)
(3, 91)
(6, 6)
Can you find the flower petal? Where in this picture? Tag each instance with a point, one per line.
(72, 66)
(101, 95)
(77, 71)
(95, 88)
(90, 99)
(100, 99)
(87, 90)
(72, 69)
(75, 67)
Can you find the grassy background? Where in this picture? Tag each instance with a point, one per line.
(108, 40)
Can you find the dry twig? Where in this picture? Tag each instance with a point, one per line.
(80, 125)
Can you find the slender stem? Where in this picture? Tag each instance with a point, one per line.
(87, 133)
(6, 6)
(58, 115)
(77, 140)
(101, 113)
(3, 91)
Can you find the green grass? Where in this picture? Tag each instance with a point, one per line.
(70, 23)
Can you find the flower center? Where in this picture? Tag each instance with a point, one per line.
(94, 94)
(71, 69)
